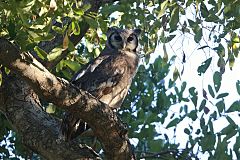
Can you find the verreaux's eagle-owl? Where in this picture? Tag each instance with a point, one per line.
(108, 77)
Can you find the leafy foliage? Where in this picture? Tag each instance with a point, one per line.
(160, 100)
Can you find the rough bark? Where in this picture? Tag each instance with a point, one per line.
(38, 130)
(106, 125)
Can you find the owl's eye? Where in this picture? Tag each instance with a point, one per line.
(118, 38)
(129, 39)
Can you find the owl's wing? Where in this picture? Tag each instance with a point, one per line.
(101, 75)
(88, 68)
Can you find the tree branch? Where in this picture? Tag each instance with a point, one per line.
(106, 125)
(38, 130)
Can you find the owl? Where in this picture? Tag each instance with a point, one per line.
(108, 77)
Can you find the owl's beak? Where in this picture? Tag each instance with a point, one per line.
(123, 45)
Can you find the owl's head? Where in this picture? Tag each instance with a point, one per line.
(123, 39)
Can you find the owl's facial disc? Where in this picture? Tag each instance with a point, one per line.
(116, 41)
(123, 39)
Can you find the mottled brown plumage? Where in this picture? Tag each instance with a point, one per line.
(108, 77)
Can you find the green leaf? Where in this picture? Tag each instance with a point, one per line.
(237, 146)
(174, 18)
(165, 57)
(208, 141)
(11, 28)
(220, 106)
(183, 86)
(234, 107)
(211, 91)
(58, 29)
(228, 129)
(204, 10)
(202, 105)
(176, 74)
(86, 7)
(56, 52)
(41, 53)
(66, 74)
(163, 8)
(238, 86)
(187, 131)
(229, 119)
(92, 23)
(194, 95)
(172, 123)
(168, 39)
(48, 37)
(71, 46)
(155, 145)
(75, 28)
(51, 108)
(222, 95)
(198, 35)
(72, 64)
(193, 115)
(78, 11)
(217, 78)
(202, 69)
(231, 61)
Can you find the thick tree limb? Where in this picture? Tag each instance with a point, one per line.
(38, 130)
(104, 122)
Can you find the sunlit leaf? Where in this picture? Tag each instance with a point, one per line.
(78, 11)
(51, 108)
(40, 52)
(72, 64)
(174, 18)
(75, 28)
(58, 29)
(163, 8)
(56, 52)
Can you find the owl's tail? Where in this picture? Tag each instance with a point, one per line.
(72, 127)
